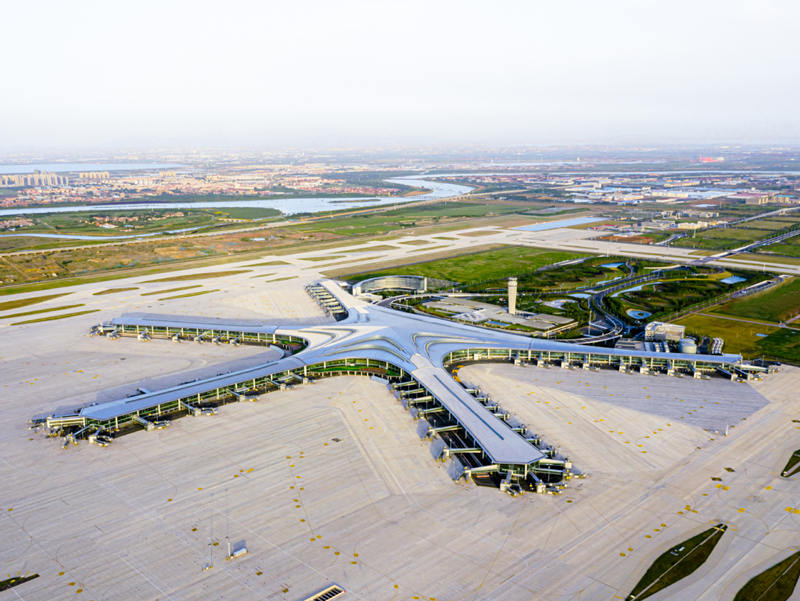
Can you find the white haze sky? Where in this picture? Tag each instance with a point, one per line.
(332, 73)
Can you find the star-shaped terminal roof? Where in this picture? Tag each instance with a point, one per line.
(417, 344)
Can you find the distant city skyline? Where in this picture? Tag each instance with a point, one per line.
(274, 75)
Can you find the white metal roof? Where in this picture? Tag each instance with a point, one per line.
(415, 343)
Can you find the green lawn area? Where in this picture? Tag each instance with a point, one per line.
(54, 317)
(475, 268)
(24, 302)
(668, 296)
(790, 470)
(766, 259)
(247, 212)
(404, 217)
(738, 235)
(789, 248)
(171, 290)
(776, 304)
(677, 563)
(16, 581)
(722, 238)
(323, 258)
(115, 290)
(37, 311)
(198, 276)
(740, 337)
(775, 584)
(782, 345)
(188, 294)
(139, 221)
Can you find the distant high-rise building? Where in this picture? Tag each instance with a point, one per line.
(37, 178)
(512, 296)
(93, 175)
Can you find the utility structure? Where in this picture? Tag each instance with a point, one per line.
(512, 296)
(412, 352)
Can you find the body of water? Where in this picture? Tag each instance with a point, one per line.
(17, 169)
(634, 288)
(492, 322)
(551, 225)
(733, 279)
(287, 206)
(636, 314)
(558, 303)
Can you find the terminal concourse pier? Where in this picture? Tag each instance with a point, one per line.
(415, 354)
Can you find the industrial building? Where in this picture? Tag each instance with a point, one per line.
(413, 353)
(659, 331)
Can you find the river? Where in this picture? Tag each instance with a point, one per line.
(287, 206)
(22, 168)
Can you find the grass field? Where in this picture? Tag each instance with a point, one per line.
(789, 248)
(378, 248)
(198, 276)
(171, 290)
(789, 470)
(24, 302)
(669, 296)
(54, 317)
(38, 311)
(115, 290)
(246, 212)
(776, 304)
(16, 581)
(188, 294)
(740, 337)
(393, 220)
(84, 224)
(782, 345)
(486, 266)
(677, 563)
(323, 258)
(775, 584)
(92, 261)
(738, 235)
(765, 260)
(268, 263)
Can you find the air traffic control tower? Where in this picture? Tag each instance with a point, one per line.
(512, 296)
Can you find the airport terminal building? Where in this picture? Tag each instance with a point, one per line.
(415, 354)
